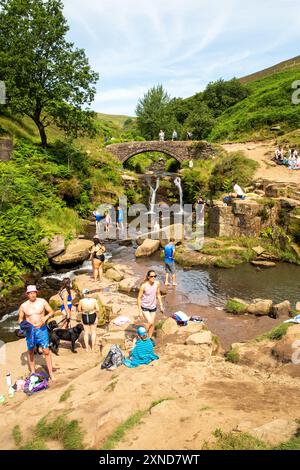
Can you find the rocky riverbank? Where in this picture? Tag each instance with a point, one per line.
(191, 390)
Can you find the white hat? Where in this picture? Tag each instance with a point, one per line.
(31, 289)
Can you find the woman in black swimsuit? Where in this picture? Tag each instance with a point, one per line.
(97, 257)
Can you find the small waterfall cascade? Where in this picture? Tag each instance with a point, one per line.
(153, 192)
(177, 182)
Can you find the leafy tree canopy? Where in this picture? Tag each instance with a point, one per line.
(46, 77)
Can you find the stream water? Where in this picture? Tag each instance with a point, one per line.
(206, 287)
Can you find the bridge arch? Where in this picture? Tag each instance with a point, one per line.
(180, 150)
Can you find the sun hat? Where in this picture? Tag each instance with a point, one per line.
(31, 289)
(141, 331)
(86, 291)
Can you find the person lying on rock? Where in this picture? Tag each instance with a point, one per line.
(143, 351)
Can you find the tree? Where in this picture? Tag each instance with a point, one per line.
(152, 112)
(221, 95)
(46, 77)
(200, 122)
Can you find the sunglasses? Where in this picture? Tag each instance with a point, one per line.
(153, 275)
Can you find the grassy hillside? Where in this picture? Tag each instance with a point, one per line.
(269, 104)
(108, 125)
(282, 66)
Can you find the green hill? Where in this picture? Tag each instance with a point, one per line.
(108, 125)
(269, 104)
(282, 66)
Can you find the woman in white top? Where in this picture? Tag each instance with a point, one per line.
(89, 309)
(147, 300)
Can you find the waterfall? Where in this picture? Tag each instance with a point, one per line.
(177, 182)
(153, 192)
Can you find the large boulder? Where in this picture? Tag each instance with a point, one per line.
(55, 246)
(288, 348)
(169, 327)
(189, 353)
(204, 337)
(276, 190)
(260, 308)
(147, 248)
(114, 275)
(281, 310)
(175, 231)
(275, 432)
(191, 328)
(77, 251)
(130, 285)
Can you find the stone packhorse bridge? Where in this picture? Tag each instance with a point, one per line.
(180, 150)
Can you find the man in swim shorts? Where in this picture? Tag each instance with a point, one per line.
(33, 315)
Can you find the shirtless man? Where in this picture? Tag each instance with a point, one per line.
(33, 312)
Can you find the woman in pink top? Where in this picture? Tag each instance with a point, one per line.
(147, 300)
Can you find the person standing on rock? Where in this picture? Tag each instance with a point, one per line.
(89, 309)
(169, 252)
(97, 257)
(65, 295)
(174, 135)
(149, 294)
(32, 320)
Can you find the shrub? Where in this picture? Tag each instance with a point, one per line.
(233, 356)
(233, 306)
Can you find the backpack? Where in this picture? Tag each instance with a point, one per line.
(114, 358)
(40, 384)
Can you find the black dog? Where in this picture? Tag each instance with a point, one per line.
(56, 334)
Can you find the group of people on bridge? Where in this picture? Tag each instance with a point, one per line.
(161, 135)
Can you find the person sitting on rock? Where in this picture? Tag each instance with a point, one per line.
(143, 350)
(238, 193)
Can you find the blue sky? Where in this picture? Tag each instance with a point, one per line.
(182, 44)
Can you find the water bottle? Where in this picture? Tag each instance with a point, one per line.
(8, 380)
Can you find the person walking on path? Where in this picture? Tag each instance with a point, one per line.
(161, 135)
(67, 302)
(33, 315)
(89, 309)
(169, 252)
(97, 257)
(174, 135)
(149, 294)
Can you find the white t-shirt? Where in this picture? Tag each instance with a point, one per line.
(238, 190)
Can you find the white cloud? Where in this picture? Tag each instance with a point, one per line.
(183, 44)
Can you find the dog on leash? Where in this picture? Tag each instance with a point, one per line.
(57, 334)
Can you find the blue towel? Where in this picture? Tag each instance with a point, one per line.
(142, 354)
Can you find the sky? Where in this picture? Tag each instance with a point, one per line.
(181, 44)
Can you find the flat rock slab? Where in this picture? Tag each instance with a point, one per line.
(263, 264)
(77, 251)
